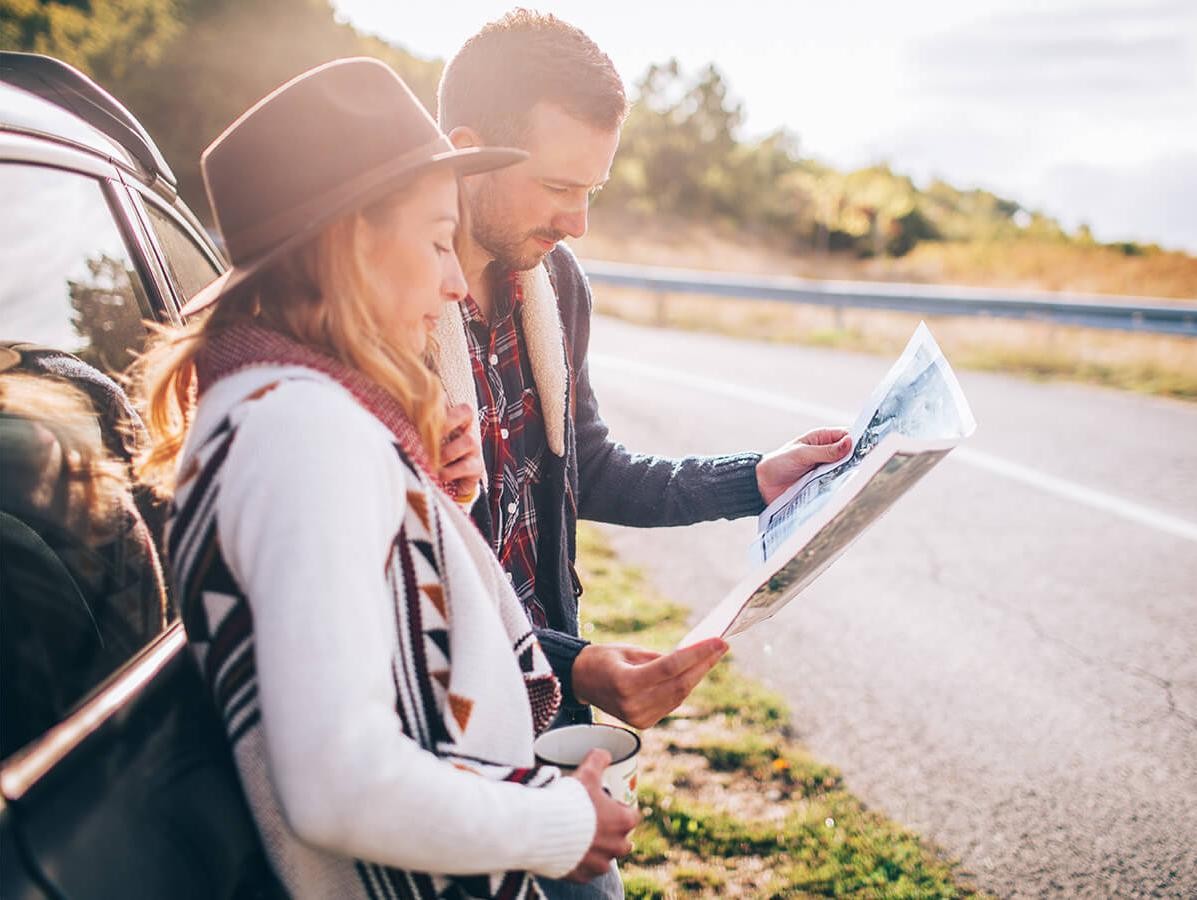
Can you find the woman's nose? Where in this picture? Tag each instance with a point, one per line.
(453, 285)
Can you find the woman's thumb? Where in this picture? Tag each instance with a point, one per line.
(594, 763)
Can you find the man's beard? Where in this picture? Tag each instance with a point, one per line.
(487, 218)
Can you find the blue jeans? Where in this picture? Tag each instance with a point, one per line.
(608, 886)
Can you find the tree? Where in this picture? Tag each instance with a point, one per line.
(678, 140)
(106, 39)
(188, 68)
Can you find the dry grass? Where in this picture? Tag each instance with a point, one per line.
(1024, 265)
(1149, 363)
(1053, 267)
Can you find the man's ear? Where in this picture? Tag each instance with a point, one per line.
(464, 136)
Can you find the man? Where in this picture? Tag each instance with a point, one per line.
(517, 349)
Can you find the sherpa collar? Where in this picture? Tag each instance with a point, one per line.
(546, 353)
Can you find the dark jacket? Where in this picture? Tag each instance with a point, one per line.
(600, 480)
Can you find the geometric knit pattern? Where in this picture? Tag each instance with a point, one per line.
(219, 625)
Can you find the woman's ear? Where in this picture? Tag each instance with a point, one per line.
(464, 136)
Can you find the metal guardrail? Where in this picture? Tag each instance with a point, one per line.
(1093, 311)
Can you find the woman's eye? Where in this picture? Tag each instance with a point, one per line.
(442, 248)
(556, 189)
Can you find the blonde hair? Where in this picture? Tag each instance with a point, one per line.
(319, 295)
(73, 478)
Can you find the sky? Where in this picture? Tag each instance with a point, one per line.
(1084, 110)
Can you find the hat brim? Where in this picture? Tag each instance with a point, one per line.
(364, 190)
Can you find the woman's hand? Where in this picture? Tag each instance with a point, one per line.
(614, 820)
(461, 452)
(778, 470)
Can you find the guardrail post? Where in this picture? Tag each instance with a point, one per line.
(662, 309)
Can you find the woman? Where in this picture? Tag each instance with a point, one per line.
(380, 684)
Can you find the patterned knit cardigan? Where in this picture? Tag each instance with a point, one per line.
(429, 623)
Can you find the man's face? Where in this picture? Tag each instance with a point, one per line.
(518, 214)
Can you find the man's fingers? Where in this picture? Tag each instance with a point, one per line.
(669, 667)
(822, 436)
(697, 673)
(639, 656)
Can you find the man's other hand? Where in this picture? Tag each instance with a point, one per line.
(778, 470)
(639, 686)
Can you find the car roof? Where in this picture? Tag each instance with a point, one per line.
(44, 96)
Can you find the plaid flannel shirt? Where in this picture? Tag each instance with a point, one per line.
(513, 436)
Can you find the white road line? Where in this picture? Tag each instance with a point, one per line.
(1060, 487)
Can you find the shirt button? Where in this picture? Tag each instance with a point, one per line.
(512, 507)
(504, 433)
(494, 359)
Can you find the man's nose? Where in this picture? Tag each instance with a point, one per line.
(574, 222)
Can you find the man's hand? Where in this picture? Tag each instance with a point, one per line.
(778, 470)
(613, 820)
(638, 686)
(461, 452)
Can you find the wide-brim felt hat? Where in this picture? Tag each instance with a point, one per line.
(326, 143)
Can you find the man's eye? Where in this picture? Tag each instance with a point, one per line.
(442, 248)
(556, 188)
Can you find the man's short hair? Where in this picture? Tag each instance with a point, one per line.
(523, 59)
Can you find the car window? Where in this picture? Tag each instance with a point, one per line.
(189, 266)
(66, 277)
(80, 585)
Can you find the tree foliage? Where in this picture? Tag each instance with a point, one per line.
(187, 68)
(682, 155)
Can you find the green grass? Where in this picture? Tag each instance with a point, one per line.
(732, 805)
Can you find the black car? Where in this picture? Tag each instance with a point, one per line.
(115, 780)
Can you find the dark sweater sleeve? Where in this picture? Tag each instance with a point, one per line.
(625, 488)
(562, 649)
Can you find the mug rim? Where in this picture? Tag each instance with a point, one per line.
(614, 760)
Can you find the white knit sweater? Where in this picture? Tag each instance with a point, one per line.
(311, 496)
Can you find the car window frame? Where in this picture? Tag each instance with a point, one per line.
(28, 764)
(141, 197)
(26, 767)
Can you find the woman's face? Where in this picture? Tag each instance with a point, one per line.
(411, 262)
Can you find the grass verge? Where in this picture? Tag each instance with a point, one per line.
(732, 805)
(1161, 365)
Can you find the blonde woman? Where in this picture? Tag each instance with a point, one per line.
(380, 684)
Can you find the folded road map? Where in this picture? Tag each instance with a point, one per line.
(914, 417)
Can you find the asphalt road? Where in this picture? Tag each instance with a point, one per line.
(1007, 662)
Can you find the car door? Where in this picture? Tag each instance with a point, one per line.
(114, 775)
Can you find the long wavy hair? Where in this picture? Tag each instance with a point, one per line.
(52, 457)
(321, 295)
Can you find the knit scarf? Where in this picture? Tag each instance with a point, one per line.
(463, 720)
(244, 346)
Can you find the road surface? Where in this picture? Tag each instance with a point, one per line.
(1007, 662)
